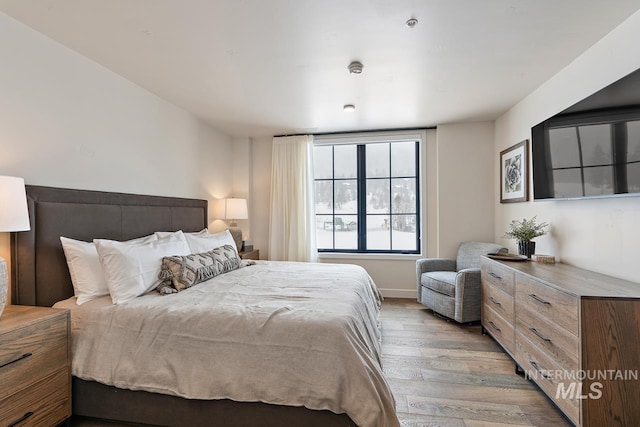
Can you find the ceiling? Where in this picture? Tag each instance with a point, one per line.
(266, 67)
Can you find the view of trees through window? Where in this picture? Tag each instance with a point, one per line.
(366, 197)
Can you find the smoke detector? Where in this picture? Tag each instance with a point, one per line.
(355, 67)
(412, 22)
(349, 108)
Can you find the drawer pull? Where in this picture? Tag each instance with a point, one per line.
(492, 274)
(539, 369)
(540, 300)
(539, 335)
(495, 301)
(24, 418)
(493, 325)
(24, 356)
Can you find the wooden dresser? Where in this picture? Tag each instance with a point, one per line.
(574, 332)
(35, 366)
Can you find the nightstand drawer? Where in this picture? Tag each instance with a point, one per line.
(32, 352)
(252, 254)
(46, 403)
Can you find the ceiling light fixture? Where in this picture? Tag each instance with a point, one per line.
(412, 22)
(355, 67)
(349, 108)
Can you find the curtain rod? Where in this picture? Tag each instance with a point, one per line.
(357, 131)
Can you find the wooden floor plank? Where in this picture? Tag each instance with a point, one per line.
(458, 378)
(465, 409)
(472, 393)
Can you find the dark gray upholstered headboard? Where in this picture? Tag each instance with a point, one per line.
(39, 269)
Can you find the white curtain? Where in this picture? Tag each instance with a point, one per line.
(292, 234)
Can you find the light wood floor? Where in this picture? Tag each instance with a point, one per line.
(450, 375)
(446, 374)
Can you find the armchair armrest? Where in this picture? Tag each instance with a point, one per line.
(466, 279)
(468, 300)
(432, 264)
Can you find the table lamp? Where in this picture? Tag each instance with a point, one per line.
(14, 216)
(233, 209)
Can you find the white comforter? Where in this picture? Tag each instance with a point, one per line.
(296, 334)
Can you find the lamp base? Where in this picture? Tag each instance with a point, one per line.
(4, 284)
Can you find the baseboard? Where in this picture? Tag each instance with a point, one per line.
(399, 293)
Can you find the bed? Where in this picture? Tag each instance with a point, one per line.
(41, 277)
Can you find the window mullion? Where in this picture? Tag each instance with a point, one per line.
(333, 195)
(362, 198)
(390, 204)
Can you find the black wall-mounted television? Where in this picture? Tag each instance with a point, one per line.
(591, 149)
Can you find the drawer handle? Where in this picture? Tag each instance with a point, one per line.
(492, 274)
(493, 325)
(539, 335)
(24, 356)
(540, 370)
(540, 300)
(495, 301)
(24, 418)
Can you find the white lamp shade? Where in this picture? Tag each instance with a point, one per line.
(14, 215)
(234, 209)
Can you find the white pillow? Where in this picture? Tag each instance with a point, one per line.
(199, 243)
(85, 269)
(161, 234)
(131, 269)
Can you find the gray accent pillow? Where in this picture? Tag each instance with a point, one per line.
(181, 272)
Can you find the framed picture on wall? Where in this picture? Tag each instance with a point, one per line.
(514, 173)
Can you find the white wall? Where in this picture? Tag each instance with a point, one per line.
(599, 235)
(457, 172)
(66, 121)
(465, 185)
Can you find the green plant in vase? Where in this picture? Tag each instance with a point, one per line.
(524, 232)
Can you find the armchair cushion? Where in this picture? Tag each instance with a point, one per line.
(443, 282)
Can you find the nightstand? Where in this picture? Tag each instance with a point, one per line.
(252, 254)
(35, 366)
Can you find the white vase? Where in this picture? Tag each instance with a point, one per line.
(4, 284)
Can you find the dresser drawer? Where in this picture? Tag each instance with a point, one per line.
(45, 403)
(497, 275)
(499, 328)
(558, 307)
(32, 352)
(549, 376)
(499, 301)
(558, 343)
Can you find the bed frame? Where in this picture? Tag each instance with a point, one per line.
(40, 277)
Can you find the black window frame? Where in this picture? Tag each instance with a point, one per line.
(361, 179)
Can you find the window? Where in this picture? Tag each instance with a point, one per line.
(367, 196)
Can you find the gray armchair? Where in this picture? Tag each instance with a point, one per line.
(451, 287)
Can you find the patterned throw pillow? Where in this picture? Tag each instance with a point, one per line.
(182, 272)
